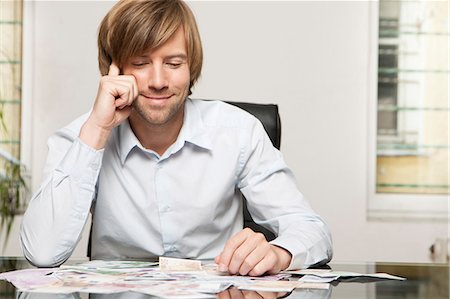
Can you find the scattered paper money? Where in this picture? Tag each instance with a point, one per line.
(179, 265)
(29, 278)
(109, 267)
(317, 279)
(175, 278)
(308, 271)
(325, 273)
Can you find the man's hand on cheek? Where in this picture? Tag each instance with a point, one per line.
(115, 96)
(249, 253)
(112, 106)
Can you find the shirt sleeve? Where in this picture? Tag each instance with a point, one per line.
(275, 202)
(58, 211)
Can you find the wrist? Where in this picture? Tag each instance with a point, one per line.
(94, 135)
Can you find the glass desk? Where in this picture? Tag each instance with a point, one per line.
(428, 281)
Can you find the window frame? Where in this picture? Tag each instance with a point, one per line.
(26, 140)
(426, 207)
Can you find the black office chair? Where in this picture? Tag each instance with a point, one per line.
(268, 115)
(270, 118)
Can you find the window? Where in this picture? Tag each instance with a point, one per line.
(411, 169)
(11, 181)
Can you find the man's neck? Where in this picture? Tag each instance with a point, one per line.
(159, 137)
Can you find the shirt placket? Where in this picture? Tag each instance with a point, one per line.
(165, 209)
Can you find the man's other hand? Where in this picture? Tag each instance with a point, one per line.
(112, 106)
(249, 253)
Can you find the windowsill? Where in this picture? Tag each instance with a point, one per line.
(402, 153)
(409, 207)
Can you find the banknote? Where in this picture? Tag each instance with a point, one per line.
(179, 265)
(109, 267)
(326, 273)
(29, 278)
(317, 279)
(317, 272)
(312, 285)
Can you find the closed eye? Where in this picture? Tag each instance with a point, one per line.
(174, 65)
(138, 64)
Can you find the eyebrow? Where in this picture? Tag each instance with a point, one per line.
(174, 56)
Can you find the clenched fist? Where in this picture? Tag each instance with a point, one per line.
(249, 253)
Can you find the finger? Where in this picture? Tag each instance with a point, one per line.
(129, 81)
(267, 264)
(113, 69)
(123, 114)
(256, 256)
(123, 110)
(121, 102)
(230, 247)
(244, 257)
(121, 93)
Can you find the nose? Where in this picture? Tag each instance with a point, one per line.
(158, 78)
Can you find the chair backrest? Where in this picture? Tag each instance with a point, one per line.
(268, 115)
(270, 118)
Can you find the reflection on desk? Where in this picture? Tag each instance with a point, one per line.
(231, 293)
(423, 281)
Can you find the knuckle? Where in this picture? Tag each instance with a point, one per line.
(239, 256)
(230, 243)
(260, 237)
(248, 230)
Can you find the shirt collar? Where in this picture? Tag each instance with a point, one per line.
(193, 131)
(127, 140)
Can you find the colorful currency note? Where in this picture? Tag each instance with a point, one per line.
(179, 265)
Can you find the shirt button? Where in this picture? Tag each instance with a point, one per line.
(165, 209)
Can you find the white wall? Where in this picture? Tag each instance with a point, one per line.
(311, 58)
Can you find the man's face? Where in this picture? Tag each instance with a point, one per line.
(163, 77)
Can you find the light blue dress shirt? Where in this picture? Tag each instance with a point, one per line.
(185, 203)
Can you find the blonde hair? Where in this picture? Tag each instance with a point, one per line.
(132, 27)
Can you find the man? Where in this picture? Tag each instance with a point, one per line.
(161, 173)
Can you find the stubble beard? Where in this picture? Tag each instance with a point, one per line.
(157, 116)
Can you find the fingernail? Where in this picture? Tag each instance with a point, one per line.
(223, 268)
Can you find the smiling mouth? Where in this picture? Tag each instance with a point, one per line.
(157, 97)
